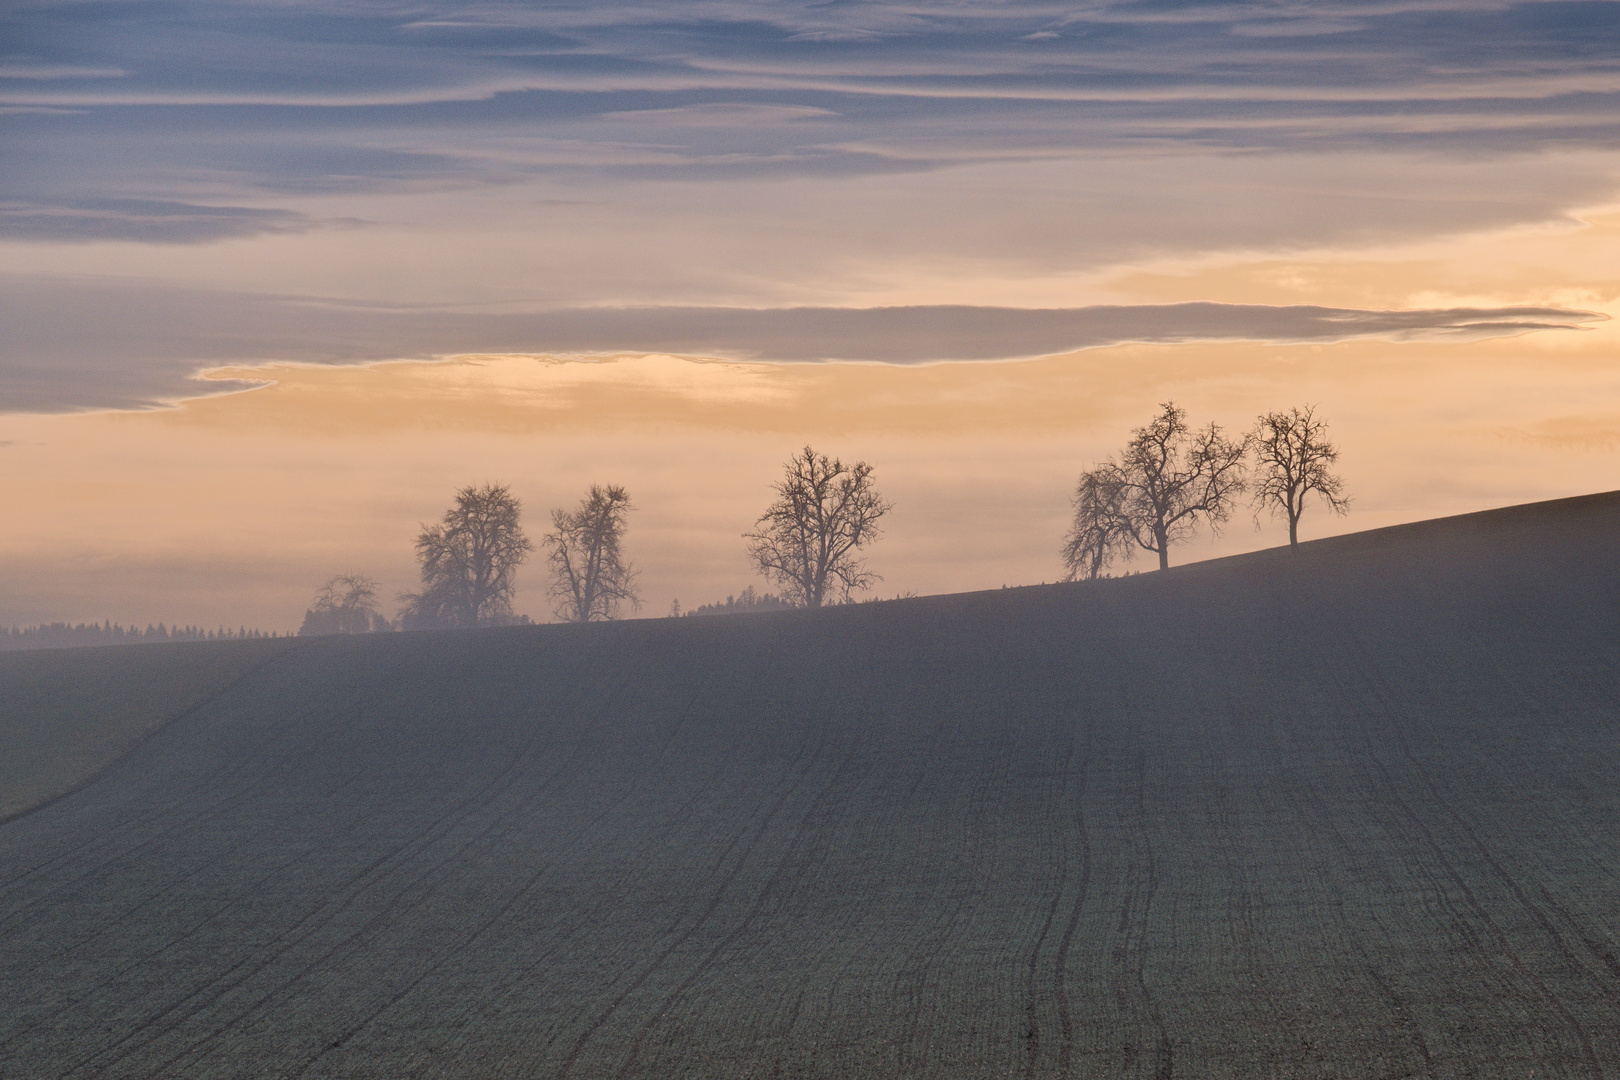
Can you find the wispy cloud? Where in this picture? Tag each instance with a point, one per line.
(721, 114)
(12, 69)
(730, 153)
(236, 53)
(144, 220)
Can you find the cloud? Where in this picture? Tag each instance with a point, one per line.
(1296, 27)
(838, 35)
(439, 91)
(724, 114)
(767, 153)
(17, 70)
(79, 345)
(225, 53)
(152, 221)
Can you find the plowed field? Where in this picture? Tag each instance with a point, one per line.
(1353, 813)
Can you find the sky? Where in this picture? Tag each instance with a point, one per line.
(277, 278)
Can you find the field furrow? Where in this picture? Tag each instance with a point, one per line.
(1346, 814)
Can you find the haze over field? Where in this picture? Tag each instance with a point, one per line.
(1350, 813)
(665, 245)
(451, 317)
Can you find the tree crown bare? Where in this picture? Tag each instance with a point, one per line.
(806, 541)
(589, 577)
(1294, 457)
(1168, 480)
(345, 604)
(469, 561)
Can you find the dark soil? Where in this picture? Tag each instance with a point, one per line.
(1352, 813)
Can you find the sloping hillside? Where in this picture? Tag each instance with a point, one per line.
(65, 716)
(1351, 813)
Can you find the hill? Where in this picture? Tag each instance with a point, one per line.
(64, 717)
(1349, 813)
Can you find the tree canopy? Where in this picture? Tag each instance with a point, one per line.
(1169, 480)
(345, 604)
(590, 578)
(807, 540)
(469, 562)
(1293, 459)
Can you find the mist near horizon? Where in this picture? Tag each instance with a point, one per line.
(865, 540)
(406, 248)
(1275, 815)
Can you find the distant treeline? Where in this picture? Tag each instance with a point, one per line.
(748, 601)
(61, 635)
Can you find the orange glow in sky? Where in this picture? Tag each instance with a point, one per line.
(233, 508)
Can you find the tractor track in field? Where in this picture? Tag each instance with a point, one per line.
(1273, 815)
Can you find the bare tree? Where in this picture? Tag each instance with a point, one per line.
(469, 562)
(1098, 537)
(1294, 458)
(807, 539)
(589, 576)
(1169, 478)
(346, 604)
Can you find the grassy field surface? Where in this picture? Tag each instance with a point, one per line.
(67, 714)
(1347, 814)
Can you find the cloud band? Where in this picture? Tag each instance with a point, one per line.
(84, 345)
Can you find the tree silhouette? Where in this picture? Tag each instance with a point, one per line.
(1294, 458)
(807, 539)
(468, 562)
(743, 603)
(589, 576)
(345, 604)
(1098, 537)
(1167, 479)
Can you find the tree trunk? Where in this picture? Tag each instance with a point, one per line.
(1293, 533)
